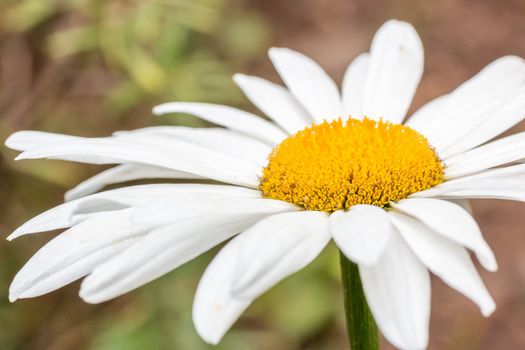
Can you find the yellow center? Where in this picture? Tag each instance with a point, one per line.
(335, 165)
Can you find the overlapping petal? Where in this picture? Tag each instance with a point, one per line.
(504, 183)
(74, 253)
(362, 233)
(226, 141)
(229, 117)
(252, 263)
(490, 155)
(170, 154)
(275, 101)
(123, 173)
(478, 110)
(397, 290)
(75, 211)
(309, 83)
(458, 226)
(446, 259)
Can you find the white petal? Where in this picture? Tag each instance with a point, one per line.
(171, 208)
(361, 233)
(507, 113)
(28, 139)
(223, 140)
(353, 86)
(196, 223)
(274, 101)
(70, 213)
(161, 251)
(123, 173)
(489, 193)
(308, 82)
(476, 111)
(397, 290)
(394, 70)
(502, 151)
(74, 253)
(252, 263)
(446, 259)
(180, 156)
(510, 179)
(450, 221)
(228, 117)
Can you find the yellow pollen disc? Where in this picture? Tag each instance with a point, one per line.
(335, 165)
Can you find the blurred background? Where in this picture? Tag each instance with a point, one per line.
(90, 67)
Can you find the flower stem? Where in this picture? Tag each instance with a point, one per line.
(360, 324)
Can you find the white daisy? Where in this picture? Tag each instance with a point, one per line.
(381, 189)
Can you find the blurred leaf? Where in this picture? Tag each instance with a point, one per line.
(131, 333)
(29, 13)
(72, 41)
(246, 36)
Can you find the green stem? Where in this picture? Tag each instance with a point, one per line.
(360, 324)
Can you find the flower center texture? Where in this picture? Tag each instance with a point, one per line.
(335, 165)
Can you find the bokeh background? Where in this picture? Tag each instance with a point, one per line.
(90, 67)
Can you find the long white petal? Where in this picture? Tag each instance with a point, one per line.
(74, 253)
(465, 97)
(71, 213)
(397, 290)
(507, 113)
(477, 110)
(252, 263)
(223, 140)
(123, 173)
(275, 101)
(495, 153)
(487, 190)
(182, 156)
(196, 223)
(394, 70)
(510, 179)
(446, 259)
(361, 233)
(166, 210)
(308, 82)
(450, 221)
(228, 117)
(353, 86)
(28, 139)
(161, 251)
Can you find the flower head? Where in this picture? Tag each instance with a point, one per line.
(348, 167)
(336, 165)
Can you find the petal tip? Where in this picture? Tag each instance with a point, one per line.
(10, 142)
(158, 110)
(488, 309)
(239, 77)
(88, 297)
(492, 267)
(21, 156)
(17, 233)
(273, 52)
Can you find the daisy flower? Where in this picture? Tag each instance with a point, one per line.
(344, 166)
